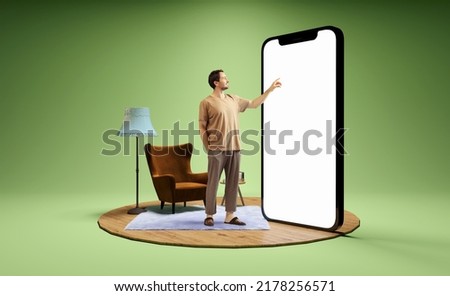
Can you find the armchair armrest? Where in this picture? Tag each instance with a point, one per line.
(198, 177)
(164, 186)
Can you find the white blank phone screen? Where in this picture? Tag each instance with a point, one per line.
(299, 158)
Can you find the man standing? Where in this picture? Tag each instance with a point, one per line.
(219, 131)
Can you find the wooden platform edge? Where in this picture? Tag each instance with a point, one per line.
(279, 234)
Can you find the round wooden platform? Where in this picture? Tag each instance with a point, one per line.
(280, 234)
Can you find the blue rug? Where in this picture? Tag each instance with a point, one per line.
(191, 218)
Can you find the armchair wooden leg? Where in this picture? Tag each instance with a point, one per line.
(240, 195)
(173, 208)
(184, 204)
(162, 205)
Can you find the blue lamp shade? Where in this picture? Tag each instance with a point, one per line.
(137, 122)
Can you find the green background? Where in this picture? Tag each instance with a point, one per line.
(68, 70)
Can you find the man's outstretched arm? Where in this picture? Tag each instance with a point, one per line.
(259, 100)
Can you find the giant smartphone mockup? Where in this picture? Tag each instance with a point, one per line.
(302, 123)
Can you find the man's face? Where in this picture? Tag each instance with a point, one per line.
(223, 81)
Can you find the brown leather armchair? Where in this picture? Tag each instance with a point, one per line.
(170, 169)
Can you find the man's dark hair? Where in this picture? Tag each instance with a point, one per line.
(214, 76)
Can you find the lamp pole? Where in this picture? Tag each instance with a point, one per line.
(137, 209)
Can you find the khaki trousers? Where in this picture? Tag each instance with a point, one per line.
(229, 162)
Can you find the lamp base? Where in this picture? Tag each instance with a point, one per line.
(136, 211)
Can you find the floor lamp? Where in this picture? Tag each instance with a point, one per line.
(136, 122)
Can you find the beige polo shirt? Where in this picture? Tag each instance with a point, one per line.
(222, 121)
